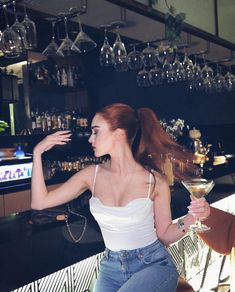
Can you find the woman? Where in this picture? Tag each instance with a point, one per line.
(130, 197)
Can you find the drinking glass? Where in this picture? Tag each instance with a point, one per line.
(30, 31)
(65, 48)
(149, 56)
(120, 55)
(19, 29)
(168, 72)
(143, 78)
(83, 42)
(178, 70)
(10, 40)
(52, 47)
(198, 188)
(219, 81)
(229, 81)
(155, 76)
(1, 46)
(188, 67)
(135, 59)
(106, 52)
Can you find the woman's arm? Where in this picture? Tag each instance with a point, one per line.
(76, 185)
(168, 232)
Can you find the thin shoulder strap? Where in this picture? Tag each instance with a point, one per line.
(150, 183)
(93, 185)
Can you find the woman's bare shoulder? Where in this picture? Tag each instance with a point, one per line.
(161, 183)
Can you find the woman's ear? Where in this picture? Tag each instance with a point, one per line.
(120, 133)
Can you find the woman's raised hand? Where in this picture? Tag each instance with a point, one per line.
(199, 208)
(57, 138)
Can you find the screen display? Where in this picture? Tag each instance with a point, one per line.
(15, 172)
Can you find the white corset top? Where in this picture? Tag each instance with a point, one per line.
(127, 227)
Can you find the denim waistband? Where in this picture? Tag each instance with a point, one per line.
(133, 252)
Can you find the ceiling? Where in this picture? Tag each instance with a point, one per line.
(139, 25)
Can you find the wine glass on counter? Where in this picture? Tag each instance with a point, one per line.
(198, 188)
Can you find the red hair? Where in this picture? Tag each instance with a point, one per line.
(150, 143)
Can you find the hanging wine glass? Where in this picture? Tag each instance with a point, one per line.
(83, 42)
(178, 69)
(52, 48)
(149, 56)
(155, 76)
(120, 55)
(106, 52)
(10, 40)
(229, 81)
(167, 72)
(143, 78)
(19, 29)
(65, 48)
(188, 67)
(30, 31)
(1, 46)
(219, 80)
(162, 53)
(135, 59)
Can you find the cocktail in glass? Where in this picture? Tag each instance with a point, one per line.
(198, 188)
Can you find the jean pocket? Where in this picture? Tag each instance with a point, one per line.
(160, 256)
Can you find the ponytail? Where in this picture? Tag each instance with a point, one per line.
(152, 146)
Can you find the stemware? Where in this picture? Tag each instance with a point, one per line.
(52, 47)
(10, 40)
(155, 76)
(167, 71)
(83, 42)
(120, 55)
(65, 48)
(229, 81)
(178, 70)
(188, 67)
(149, 56)
(219, 81)
(106, 52)
(1, 45)
(135, 59)
(30, 31)
(198, 188)
(19, 30)
(143, 78)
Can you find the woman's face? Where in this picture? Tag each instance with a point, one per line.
(102, 138)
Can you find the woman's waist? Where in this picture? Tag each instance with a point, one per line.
(128, 240)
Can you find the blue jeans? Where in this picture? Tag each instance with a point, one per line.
(144, 269)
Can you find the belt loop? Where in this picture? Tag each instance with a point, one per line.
(107, 253)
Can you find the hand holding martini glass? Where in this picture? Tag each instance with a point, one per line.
(198, 188)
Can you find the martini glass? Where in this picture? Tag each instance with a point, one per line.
(198, 188)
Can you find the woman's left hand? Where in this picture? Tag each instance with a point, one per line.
(199, 208)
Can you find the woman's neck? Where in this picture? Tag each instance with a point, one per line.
(122, 162)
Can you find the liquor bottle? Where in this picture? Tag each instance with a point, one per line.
(70, 77)
(73, 124)
(48, 119)
(44, 122)
(33, 121)
(58, 75)
(64, 77)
